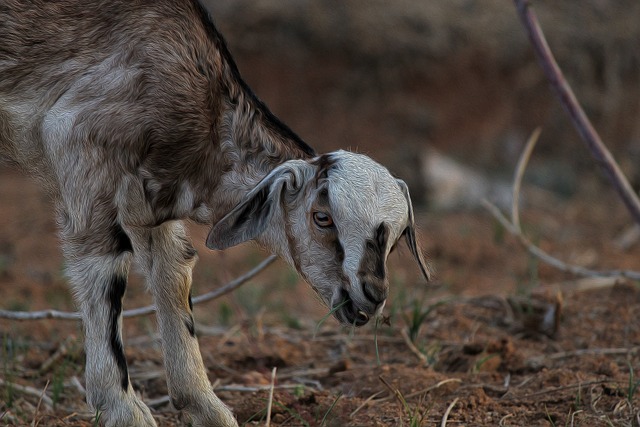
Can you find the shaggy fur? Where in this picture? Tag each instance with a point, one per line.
(134, 117)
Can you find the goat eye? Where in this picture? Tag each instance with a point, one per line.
(322, 219)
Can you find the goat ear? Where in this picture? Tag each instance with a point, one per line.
(251, 216)
(410, 234)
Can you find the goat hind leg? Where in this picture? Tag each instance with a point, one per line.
(99, 283)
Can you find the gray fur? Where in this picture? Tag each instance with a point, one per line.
(134, 117)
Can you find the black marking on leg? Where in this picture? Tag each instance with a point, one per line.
(190, 326)
(190, 253)
(116, 292)
(122, 241)
(189, 323)
(179, 402)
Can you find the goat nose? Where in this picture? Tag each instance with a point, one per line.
(375, 292)
(362, 317)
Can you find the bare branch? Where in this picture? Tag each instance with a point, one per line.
(445, 417)
(514, 226)
(575, 111)
(538, 361)
(66, 315)
(548, 259)
(412, 347)
(517, 180)
(39, 315)
(30, 391)
(270, 401)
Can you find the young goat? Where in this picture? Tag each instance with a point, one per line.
(135, 118)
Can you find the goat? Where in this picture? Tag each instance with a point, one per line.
(134, 117)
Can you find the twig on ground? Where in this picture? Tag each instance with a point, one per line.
(395, 392)
(30, 391)
(561, 388)
(573, 415)
(253, 389)
(65, 315)
(517, 180)
(445, 417)
(59, 354)
(412, 347)
(365, 403)
(515, 229)
(548, 259)
(575, 111)
(433, 387)
(501, 423)
(270, 401)
(323, 422)
(35, 421)
(538, 360)
(397, 395)
(78, 385)
(157, 402)
(303, 373)
(423, 391)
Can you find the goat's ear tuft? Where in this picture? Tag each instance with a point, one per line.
(410, 234)
(251, 216)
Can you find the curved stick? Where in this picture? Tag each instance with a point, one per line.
(515, 229)
(548, 259)
(575, 111)
(70, 315)
(517, 179)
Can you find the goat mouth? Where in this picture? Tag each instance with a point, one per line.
(347, 313)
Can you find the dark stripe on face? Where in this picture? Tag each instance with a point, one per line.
(375, 250)
(372, 270)
(116, 292)
(339, 251)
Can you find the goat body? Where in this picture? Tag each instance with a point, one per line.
(133, 116)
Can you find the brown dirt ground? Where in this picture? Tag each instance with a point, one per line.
(499, 338)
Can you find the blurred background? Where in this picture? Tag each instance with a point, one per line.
(392, 79)
(444, 93)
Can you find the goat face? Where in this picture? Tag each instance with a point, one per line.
(335, 218)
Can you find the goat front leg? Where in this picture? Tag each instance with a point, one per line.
(99, 279)
(167, 259)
